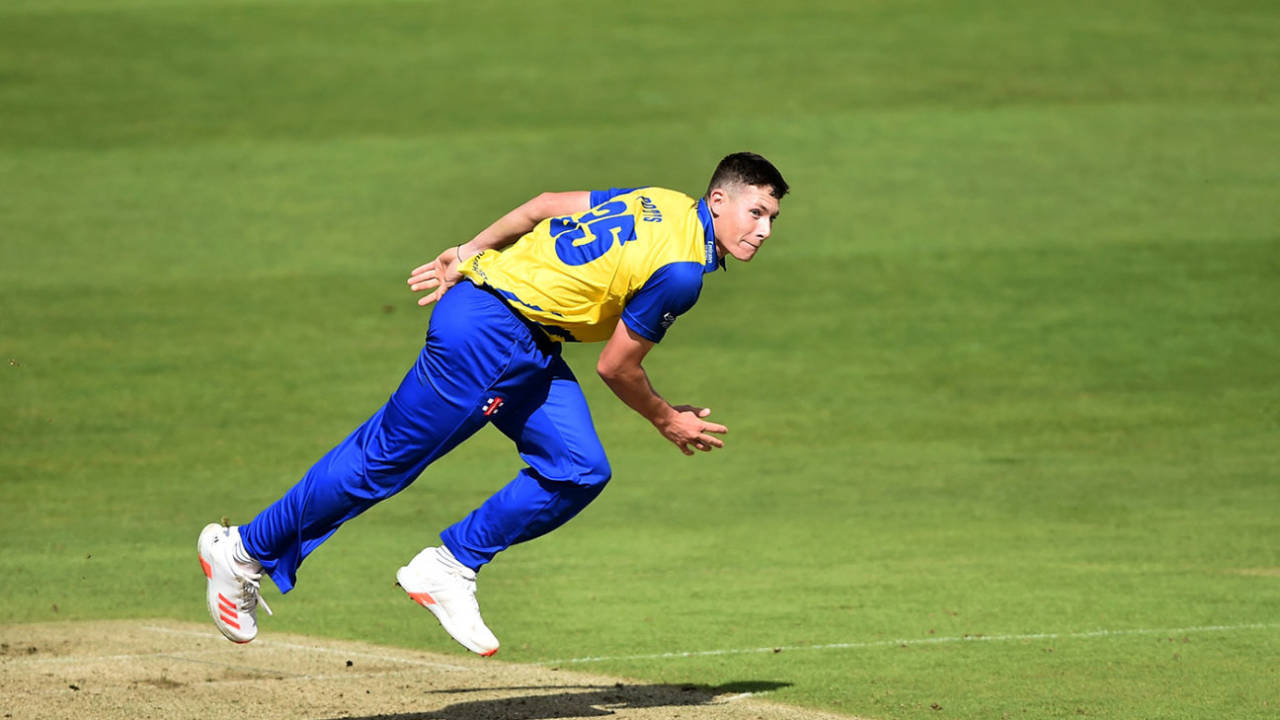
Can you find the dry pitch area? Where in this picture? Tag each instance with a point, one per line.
(164, 669)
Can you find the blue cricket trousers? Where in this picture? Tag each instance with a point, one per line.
(482, 362)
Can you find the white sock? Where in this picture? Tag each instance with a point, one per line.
(447, 557)
(242, 556)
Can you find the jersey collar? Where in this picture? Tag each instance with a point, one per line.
(709, 236)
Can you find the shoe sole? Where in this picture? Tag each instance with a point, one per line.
(428, 602)
(215, 609)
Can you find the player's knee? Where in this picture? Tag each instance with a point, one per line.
(595, 471)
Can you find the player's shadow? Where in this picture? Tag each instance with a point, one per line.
(576, 701)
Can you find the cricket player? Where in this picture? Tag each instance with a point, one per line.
(616, 266)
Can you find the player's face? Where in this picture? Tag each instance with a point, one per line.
(743, 217)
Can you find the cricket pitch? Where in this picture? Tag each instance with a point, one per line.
(112, 670)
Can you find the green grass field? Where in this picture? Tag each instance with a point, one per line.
(1009, 367)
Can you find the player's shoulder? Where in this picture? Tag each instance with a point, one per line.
(644, 195)
(682, 274)
(666, 196)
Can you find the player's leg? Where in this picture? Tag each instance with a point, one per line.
(567, 469)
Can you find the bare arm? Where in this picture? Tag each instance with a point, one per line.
(512, 226)
(443, 273)
(619, 366)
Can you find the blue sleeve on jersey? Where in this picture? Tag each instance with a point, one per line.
(666, 295)
(604, 196)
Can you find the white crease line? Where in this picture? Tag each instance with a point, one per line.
(316, 648)
(919, 641)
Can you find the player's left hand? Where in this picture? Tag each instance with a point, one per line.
(687, 430)
(436, 277)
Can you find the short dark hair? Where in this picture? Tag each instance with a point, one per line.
(750, 169)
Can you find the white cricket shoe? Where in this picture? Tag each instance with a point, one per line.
(232, 591)
(438, 582)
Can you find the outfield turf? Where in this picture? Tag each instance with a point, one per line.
(1009, 367)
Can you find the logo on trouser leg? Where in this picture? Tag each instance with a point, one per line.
(492, 405)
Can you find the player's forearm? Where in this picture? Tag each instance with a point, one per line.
(631, 384)
(504, 231)
(515, 224)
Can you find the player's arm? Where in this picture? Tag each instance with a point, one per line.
(515, 224)
(443, 273)
(619, 366)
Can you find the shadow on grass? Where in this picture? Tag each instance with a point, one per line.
(576, 701)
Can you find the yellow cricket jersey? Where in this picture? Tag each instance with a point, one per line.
(637, 254)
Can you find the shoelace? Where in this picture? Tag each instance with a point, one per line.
(250, 595)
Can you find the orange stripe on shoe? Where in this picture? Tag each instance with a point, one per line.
(208, 570)
(230, 621)
(422, 599)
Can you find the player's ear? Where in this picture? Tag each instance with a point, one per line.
(717, 198)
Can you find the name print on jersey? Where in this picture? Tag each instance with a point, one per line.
(649, 212)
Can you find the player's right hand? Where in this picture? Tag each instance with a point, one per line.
(687, 430)
(436, 276)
